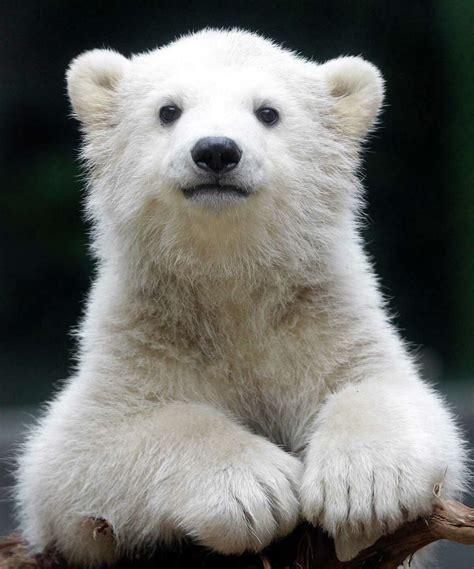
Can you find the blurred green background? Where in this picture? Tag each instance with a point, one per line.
(418, 166)
(420, 222)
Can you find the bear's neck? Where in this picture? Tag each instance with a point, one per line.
(211, 313)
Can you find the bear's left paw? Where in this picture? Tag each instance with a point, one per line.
(357, 494)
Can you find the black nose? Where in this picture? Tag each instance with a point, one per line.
(216, 154)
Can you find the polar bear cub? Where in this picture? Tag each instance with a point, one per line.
(237, 370)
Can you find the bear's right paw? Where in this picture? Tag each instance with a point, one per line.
(241, 506)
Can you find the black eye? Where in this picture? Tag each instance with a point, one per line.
(169, 114)
(267, 115)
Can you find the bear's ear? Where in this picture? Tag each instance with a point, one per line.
(92, 80)
(357, 87)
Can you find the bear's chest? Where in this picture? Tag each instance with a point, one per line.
(276, 393)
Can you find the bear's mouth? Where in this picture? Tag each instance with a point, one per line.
(215, 193)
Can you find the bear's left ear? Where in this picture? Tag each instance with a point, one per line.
(92, 80)
(357, 88)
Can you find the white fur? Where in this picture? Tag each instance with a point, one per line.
(237, 368)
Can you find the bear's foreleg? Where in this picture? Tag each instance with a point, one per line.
(178, 470)
(374, 456)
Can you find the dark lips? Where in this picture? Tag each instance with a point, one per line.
(214, 190)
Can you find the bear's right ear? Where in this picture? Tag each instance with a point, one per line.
(92, 80)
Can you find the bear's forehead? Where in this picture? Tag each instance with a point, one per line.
(214, 49)
(207, 83)
(214, 63)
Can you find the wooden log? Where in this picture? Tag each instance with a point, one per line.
(306, 548)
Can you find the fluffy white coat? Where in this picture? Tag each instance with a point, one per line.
(238, 371)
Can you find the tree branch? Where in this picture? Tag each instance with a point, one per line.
(305, 548)
(450, 520)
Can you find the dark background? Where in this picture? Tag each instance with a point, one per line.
(418, 174)
(420, 227)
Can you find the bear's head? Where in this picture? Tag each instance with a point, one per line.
(221, 151)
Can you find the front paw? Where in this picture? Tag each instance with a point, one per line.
(359, 492)
(239, 506)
